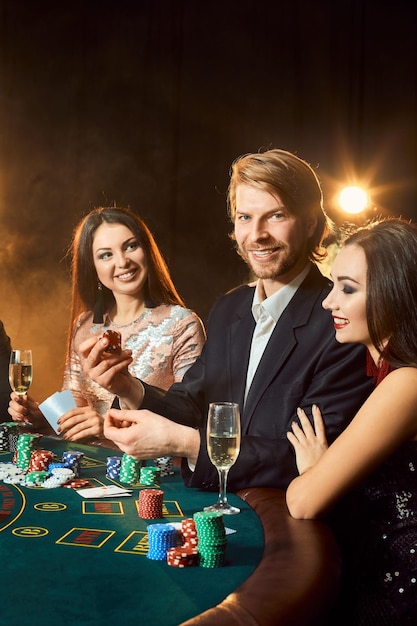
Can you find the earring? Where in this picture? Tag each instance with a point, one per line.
(99, 305)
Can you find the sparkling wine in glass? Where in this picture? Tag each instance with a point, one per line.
(223, 445)
(20, 372)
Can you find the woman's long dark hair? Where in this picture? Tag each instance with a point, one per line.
(390, 247)
(159, 288)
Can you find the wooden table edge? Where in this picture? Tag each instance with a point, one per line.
(297, 580)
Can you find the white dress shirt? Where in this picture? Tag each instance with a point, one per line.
(266, 312)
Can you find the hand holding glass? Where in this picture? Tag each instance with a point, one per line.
(20, 372)
(223, 445)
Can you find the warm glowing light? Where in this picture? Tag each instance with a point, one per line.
(353, 199)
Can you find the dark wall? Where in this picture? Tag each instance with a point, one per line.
(146, 103)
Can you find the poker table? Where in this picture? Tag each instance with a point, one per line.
(83, 562)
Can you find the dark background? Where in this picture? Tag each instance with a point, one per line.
(147, 103)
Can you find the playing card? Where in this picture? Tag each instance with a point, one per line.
(56, 405)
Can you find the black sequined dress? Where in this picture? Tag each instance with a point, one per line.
(383, 579)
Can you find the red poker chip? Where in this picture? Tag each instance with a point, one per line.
(76, 484)
(189, 522)
(115, 340)
(182, 556)
(192, 541)
(150, 503)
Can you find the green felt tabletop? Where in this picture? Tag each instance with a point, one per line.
(78, 562)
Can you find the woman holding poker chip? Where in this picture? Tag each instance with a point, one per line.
(121, 284)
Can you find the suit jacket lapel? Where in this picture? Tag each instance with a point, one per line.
(282, 340)
(240, 338)
(280, 345)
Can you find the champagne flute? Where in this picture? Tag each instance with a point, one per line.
(223, 445)
(20, 373)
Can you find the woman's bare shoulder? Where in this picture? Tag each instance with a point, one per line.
(402, 375)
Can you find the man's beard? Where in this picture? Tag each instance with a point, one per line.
(275, 269)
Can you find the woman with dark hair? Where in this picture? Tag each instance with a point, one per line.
(120, 282)
(5, 349)
(373, 302)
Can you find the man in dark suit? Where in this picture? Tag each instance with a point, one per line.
(270, 346)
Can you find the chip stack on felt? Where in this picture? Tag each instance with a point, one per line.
(149, 475)
(129, 470)
(24, 447)
(185, 555)
(165, 465)
(212, 540)
(113, 464)
(161, 537)
(40, 460)
(34, 467)
(72, 459)
(9, 433)
(150, 503)
(189, 533)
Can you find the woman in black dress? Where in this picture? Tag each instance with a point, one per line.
(373, 302)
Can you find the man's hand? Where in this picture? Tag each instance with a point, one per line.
(146, 435)
(309, 443)
(110, 370)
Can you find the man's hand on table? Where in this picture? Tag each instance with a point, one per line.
(110, 371)
(146, 435)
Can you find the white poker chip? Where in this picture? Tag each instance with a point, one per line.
(9, 469)
(15, 480)
(6, 466)
(63, 471)
(52, 482)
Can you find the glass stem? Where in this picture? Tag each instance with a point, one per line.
(222, 485)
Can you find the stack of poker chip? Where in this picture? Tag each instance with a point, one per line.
(57, 465)
(161, 537)
(189, 533)
(113, 464)
(183, 556)
(165, 465)
(211, 536)
(9, 434)
(40, 460)
(72, 459)
(11, 474)
(150, 503)
(76, 483)
(58, 477)
(13, 436)
(4, 437)
(36, 478)
(24, 448)
(149, 475)
(32, 468)
(129, 470)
